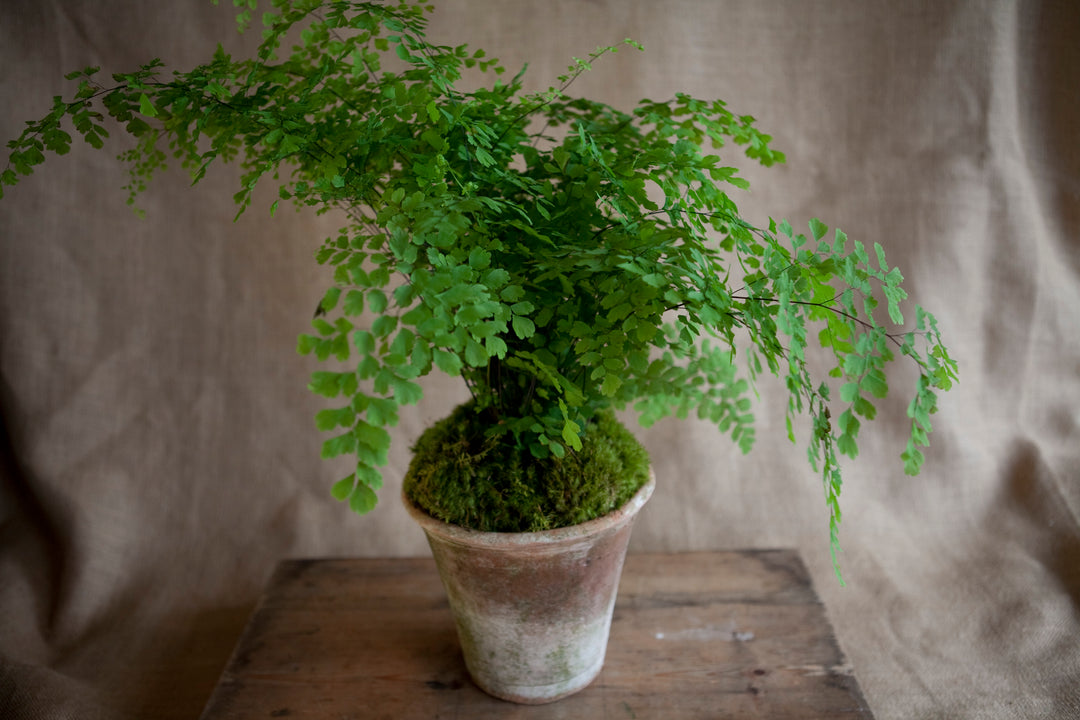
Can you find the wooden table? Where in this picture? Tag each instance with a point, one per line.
(695, 635)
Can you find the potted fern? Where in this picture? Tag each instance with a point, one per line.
(564, 258)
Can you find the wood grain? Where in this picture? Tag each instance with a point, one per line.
(695, 635)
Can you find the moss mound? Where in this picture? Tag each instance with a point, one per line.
(460, 475)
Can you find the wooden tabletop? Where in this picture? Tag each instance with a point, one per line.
(695, 635)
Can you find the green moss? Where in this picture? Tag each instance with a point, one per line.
(464, 476)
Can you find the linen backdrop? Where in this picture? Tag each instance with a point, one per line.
(158, 449)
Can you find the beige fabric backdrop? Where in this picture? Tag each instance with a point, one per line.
(159, 454)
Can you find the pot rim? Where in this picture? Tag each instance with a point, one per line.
(511, 540)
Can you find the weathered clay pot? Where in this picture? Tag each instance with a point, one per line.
(533, 610)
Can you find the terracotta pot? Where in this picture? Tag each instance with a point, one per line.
(533, 610)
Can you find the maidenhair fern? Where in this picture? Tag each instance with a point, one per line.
(560, 255)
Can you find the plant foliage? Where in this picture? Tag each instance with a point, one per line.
(560, 255)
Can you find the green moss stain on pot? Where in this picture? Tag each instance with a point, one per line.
(559, 663)
(465, 475)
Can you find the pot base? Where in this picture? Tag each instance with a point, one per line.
(540, 694)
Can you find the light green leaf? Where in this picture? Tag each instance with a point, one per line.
(865, 408)
(848, 424)
(363, 499)
(849, 392)
(372, 436)
(875, 383)
(475, 355)
(146, 107)
(448, 362)
(407, 392)
(306, 343)
(847, 446)
(913, 460)
(479, 258)
(330, 299)
(524, 328)
(895, 295)
(611, 385)
(354, 303)
(495, 346)
(377, 300)
(340, 445)
(840, 242)
(384, 325)
(522, 308)
(343, 487)
(368, 368)
(880, 252)
(325, 383)
(329, 419)
(570, 434)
